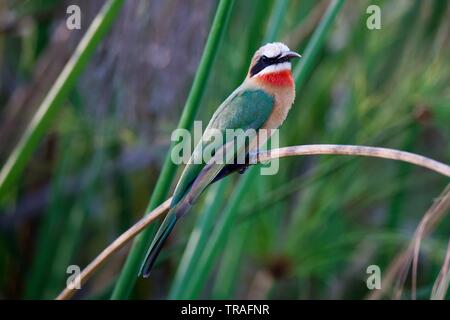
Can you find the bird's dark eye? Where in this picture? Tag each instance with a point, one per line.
(262, 62)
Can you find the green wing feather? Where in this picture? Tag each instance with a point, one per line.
(244, 109)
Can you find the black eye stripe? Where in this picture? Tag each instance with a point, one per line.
(264, 62)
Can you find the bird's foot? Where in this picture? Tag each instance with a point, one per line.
(243, 169)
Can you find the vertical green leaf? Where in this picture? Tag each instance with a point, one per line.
(62, 86)
(127, 278)
(197, 243)
(198, 238)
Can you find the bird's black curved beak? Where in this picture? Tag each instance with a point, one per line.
(291, 55)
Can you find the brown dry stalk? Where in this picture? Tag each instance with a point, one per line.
(262, 156)
(442, 281)
(398, 269)
(123, 239)
(336, 149)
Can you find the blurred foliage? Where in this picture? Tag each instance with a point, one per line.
(308, 232)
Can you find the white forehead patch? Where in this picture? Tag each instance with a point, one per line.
(273, 49)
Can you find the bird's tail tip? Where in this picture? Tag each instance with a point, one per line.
(156, 247)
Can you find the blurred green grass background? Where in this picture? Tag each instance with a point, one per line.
(308, 232)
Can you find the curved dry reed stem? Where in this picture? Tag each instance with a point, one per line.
(336, 149)
(123, 239)
(263, 156)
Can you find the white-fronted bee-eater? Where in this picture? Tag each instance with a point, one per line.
(260, 103)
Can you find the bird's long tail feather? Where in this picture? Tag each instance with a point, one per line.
(178, 210)
(158, 243)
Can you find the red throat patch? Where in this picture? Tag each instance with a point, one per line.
(278, 78)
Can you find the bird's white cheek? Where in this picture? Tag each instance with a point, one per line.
(275, 68)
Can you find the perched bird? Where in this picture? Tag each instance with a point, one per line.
(262, 101)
